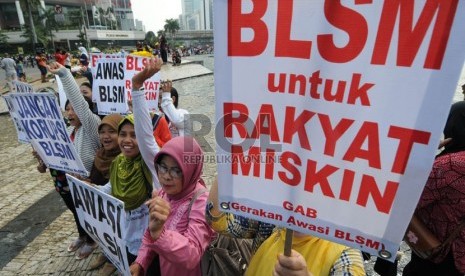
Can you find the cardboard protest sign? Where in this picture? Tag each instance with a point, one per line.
(94, 57)
(41, 119)
(22, 134)
(61, 92)
(22, 87)
(135, 64)
(102, 216)
(108, 85)
(112, 75)
(329, 114)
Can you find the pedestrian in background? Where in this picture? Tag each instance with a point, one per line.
(41, 61)
(9, 65)
(163, 50)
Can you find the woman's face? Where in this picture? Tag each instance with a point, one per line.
(72, 117)
(108, 137)
(127, 141)
(86, 92)
(170, 175)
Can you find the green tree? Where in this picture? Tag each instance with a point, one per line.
(31, 6)
(150, 39)
(77, 19)
(38, 32)
(50, 24)
(172, 26)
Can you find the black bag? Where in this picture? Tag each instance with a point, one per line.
(226, 256)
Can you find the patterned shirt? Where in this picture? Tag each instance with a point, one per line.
(350, 263)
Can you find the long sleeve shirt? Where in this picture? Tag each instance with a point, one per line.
(185, 235)
(183, 241)
(144, 133)
(179, 118)
(86, 138)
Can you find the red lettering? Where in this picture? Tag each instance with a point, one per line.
(339, 234)
(128, 84)
(94, 60)
(285, 46)
(130, 63)
(272, 87)
(315, 81)
(369, 187)
(347, 183)
(149, 96)
(293, 79)
(314, 177)
(290, 167)
(246, 162)
(237, 21)
(297, 125)
(407, 137)
(353, 23)
(357, 91)
(239, 121)
(333, 135)
(369, 132)
(411, 37)
(266, 123)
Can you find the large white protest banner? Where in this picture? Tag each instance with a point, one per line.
(40, 117)
(22, 87)
(103, 217)
(21, 132)
(330, 112)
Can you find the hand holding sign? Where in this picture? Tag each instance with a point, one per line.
(292, 265)
(159, 210)
(151, 68)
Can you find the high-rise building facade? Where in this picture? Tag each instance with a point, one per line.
(100, 22)
(196, 15)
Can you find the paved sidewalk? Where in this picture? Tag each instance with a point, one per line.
(21, 186)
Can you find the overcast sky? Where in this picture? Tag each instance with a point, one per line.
(153, 13)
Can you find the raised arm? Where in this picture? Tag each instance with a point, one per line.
(142, 120)
(177, 117)
(88, 119)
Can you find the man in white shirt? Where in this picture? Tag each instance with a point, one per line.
(9, 65)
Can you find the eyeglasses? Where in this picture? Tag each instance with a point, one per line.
(174, 172)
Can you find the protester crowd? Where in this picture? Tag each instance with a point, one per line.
(129, 156)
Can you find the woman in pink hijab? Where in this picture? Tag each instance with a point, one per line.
(178, 232)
